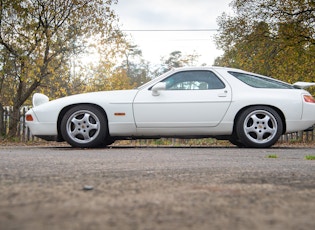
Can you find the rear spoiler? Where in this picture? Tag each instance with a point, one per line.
(39, 99)
(303, 85)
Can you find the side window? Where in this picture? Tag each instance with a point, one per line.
(194, 80)
(260, 82)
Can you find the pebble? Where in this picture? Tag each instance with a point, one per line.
(87, 187)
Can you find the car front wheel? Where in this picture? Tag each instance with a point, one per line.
(259, 127)
(84, 126)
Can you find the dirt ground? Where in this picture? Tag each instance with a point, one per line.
(156, 188)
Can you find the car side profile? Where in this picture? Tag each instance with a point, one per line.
(247, 109)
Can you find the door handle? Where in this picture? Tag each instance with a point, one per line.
(224, 94)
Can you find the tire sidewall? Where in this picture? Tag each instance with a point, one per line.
(242, 136)
(102, 135)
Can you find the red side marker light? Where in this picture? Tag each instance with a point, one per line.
(309, 98)
(29, 117)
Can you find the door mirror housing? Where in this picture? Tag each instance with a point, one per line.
(158, 87)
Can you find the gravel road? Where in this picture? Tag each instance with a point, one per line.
(46, 187)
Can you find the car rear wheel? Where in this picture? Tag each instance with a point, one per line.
(84, 126)
(259, 127)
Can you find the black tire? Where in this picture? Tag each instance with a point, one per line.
(110, 141)
(259, 127)
(234, 140)
(84, 126)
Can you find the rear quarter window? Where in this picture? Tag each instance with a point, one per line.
(260, 82)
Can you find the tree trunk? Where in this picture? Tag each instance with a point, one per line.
(2, 128)
(14, 121)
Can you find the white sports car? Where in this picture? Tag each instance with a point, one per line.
(247, 109)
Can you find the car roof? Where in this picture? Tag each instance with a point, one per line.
(209, 68)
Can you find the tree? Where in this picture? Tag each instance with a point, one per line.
(278, 12)
(131, 52)
(137, 69)
(176, 59)
(254, 52)
(274, 38)
(115, 68)
(37, 37)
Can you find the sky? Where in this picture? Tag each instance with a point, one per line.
(178, 25)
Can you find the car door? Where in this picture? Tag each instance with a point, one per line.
(188, 99)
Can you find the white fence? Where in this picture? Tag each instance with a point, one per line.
(23, 132)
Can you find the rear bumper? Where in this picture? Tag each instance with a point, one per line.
(310, 128)
(42, 129)
(294, 126)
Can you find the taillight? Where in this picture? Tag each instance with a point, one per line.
(29, 117)
(309, 98)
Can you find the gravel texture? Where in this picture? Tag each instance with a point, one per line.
(49, 187)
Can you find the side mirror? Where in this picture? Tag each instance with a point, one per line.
(156, 88)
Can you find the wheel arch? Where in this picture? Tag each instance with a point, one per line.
(273, 107)
(67, 108)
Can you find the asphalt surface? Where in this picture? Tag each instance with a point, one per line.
(43, 187)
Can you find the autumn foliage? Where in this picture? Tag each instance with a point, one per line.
(271, 37)
(37, 40)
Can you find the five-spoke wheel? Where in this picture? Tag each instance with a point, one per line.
(84, 126)
(259, 126)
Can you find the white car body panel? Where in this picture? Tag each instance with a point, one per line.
(138, 113)
(121, 101)
(181, 108)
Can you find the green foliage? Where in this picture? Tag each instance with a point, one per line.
(273, 38)
(310, 157)
(272, 156)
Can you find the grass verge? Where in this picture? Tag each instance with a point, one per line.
(310, 157)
